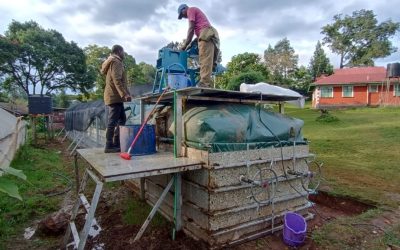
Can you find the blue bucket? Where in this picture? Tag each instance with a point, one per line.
(177, 80)
(146, 143)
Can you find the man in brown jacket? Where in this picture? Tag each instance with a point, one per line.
(115, 94)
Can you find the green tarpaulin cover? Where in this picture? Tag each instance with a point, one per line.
(233, 127)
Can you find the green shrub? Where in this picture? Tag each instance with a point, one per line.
(326, 117)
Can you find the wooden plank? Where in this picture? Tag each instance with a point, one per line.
(111, 167)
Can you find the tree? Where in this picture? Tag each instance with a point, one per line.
(149, 72)
(95, 56)
(319, 63)
(240, 64)
(35, 57)
(302, 79)
(61, 100)
(281, 60)
(359, 39)
(250, 77)
(141, 73)
(133, 72)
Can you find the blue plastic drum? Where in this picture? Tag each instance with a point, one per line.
(146, 143)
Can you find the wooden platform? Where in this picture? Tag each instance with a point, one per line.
(111, 167)
(210, 94)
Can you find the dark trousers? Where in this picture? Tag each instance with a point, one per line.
(116, 117)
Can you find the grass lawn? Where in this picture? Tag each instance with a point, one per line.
(360, 151)
(49, 171)
(46, 175)
(361, 155)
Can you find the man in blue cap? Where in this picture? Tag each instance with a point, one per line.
(208, 41)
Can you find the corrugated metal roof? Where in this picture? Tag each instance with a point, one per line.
(354, 75)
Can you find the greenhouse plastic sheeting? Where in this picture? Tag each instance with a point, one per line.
(233, 127)
(81, 116)
(12, 136)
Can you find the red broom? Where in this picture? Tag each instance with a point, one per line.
(126, 155)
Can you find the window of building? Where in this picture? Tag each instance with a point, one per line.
(396, 91)
(326, 92)
(347, 91)
(373, 88)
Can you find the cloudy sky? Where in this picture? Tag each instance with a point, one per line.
(144, 26)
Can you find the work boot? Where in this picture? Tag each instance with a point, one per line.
(202, 85)
(110, 148)
(116, 142)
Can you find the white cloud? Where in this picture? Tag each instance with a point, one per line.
(143, 27)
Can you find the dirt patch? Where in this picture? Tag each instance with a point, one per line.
(116, 234)
(345, 205)
(325, 209)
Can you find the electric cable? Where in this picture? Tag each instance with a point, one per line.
(70, 184)
(283, 166)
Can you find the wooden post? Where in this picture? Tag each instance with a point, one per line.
(47, 133)
(281, 108)
(33, 119)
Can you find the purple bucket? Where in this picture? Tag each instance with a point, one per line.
(294, 229)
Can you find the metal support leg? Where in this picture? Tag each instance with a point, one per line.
(154, 210)
(77, 144)
(179, 125)
(73, 142)
(65, 137)
(74, 212)
(142, 191)
(177, 204)
(97, 131)
(75, 209)
(142, 117)
(59, 133)
(76, 172)
(90, 216)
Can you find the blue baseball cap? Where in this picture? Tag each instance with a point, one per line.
(180, 9)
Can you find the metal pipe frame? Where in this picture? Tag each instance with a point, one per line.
(80, 239)
(77, 144)
(154, 210)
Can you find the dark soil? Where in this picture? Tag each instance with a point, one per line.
(345, 205)
(116, 234)
(326, 208)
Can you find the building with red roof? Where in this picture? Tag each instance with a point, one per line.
(354, 87)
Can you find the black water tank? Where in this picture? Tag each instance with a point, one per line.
(40, 104)
(393, 70)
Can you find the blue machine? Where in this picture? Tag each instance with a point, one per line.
(171, 70)
(177, 68)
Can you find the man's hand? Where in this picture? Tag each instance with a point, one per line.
(127, 98)
(182, 47)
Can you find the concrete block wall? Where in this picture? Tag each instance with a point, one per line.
(218, 208)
